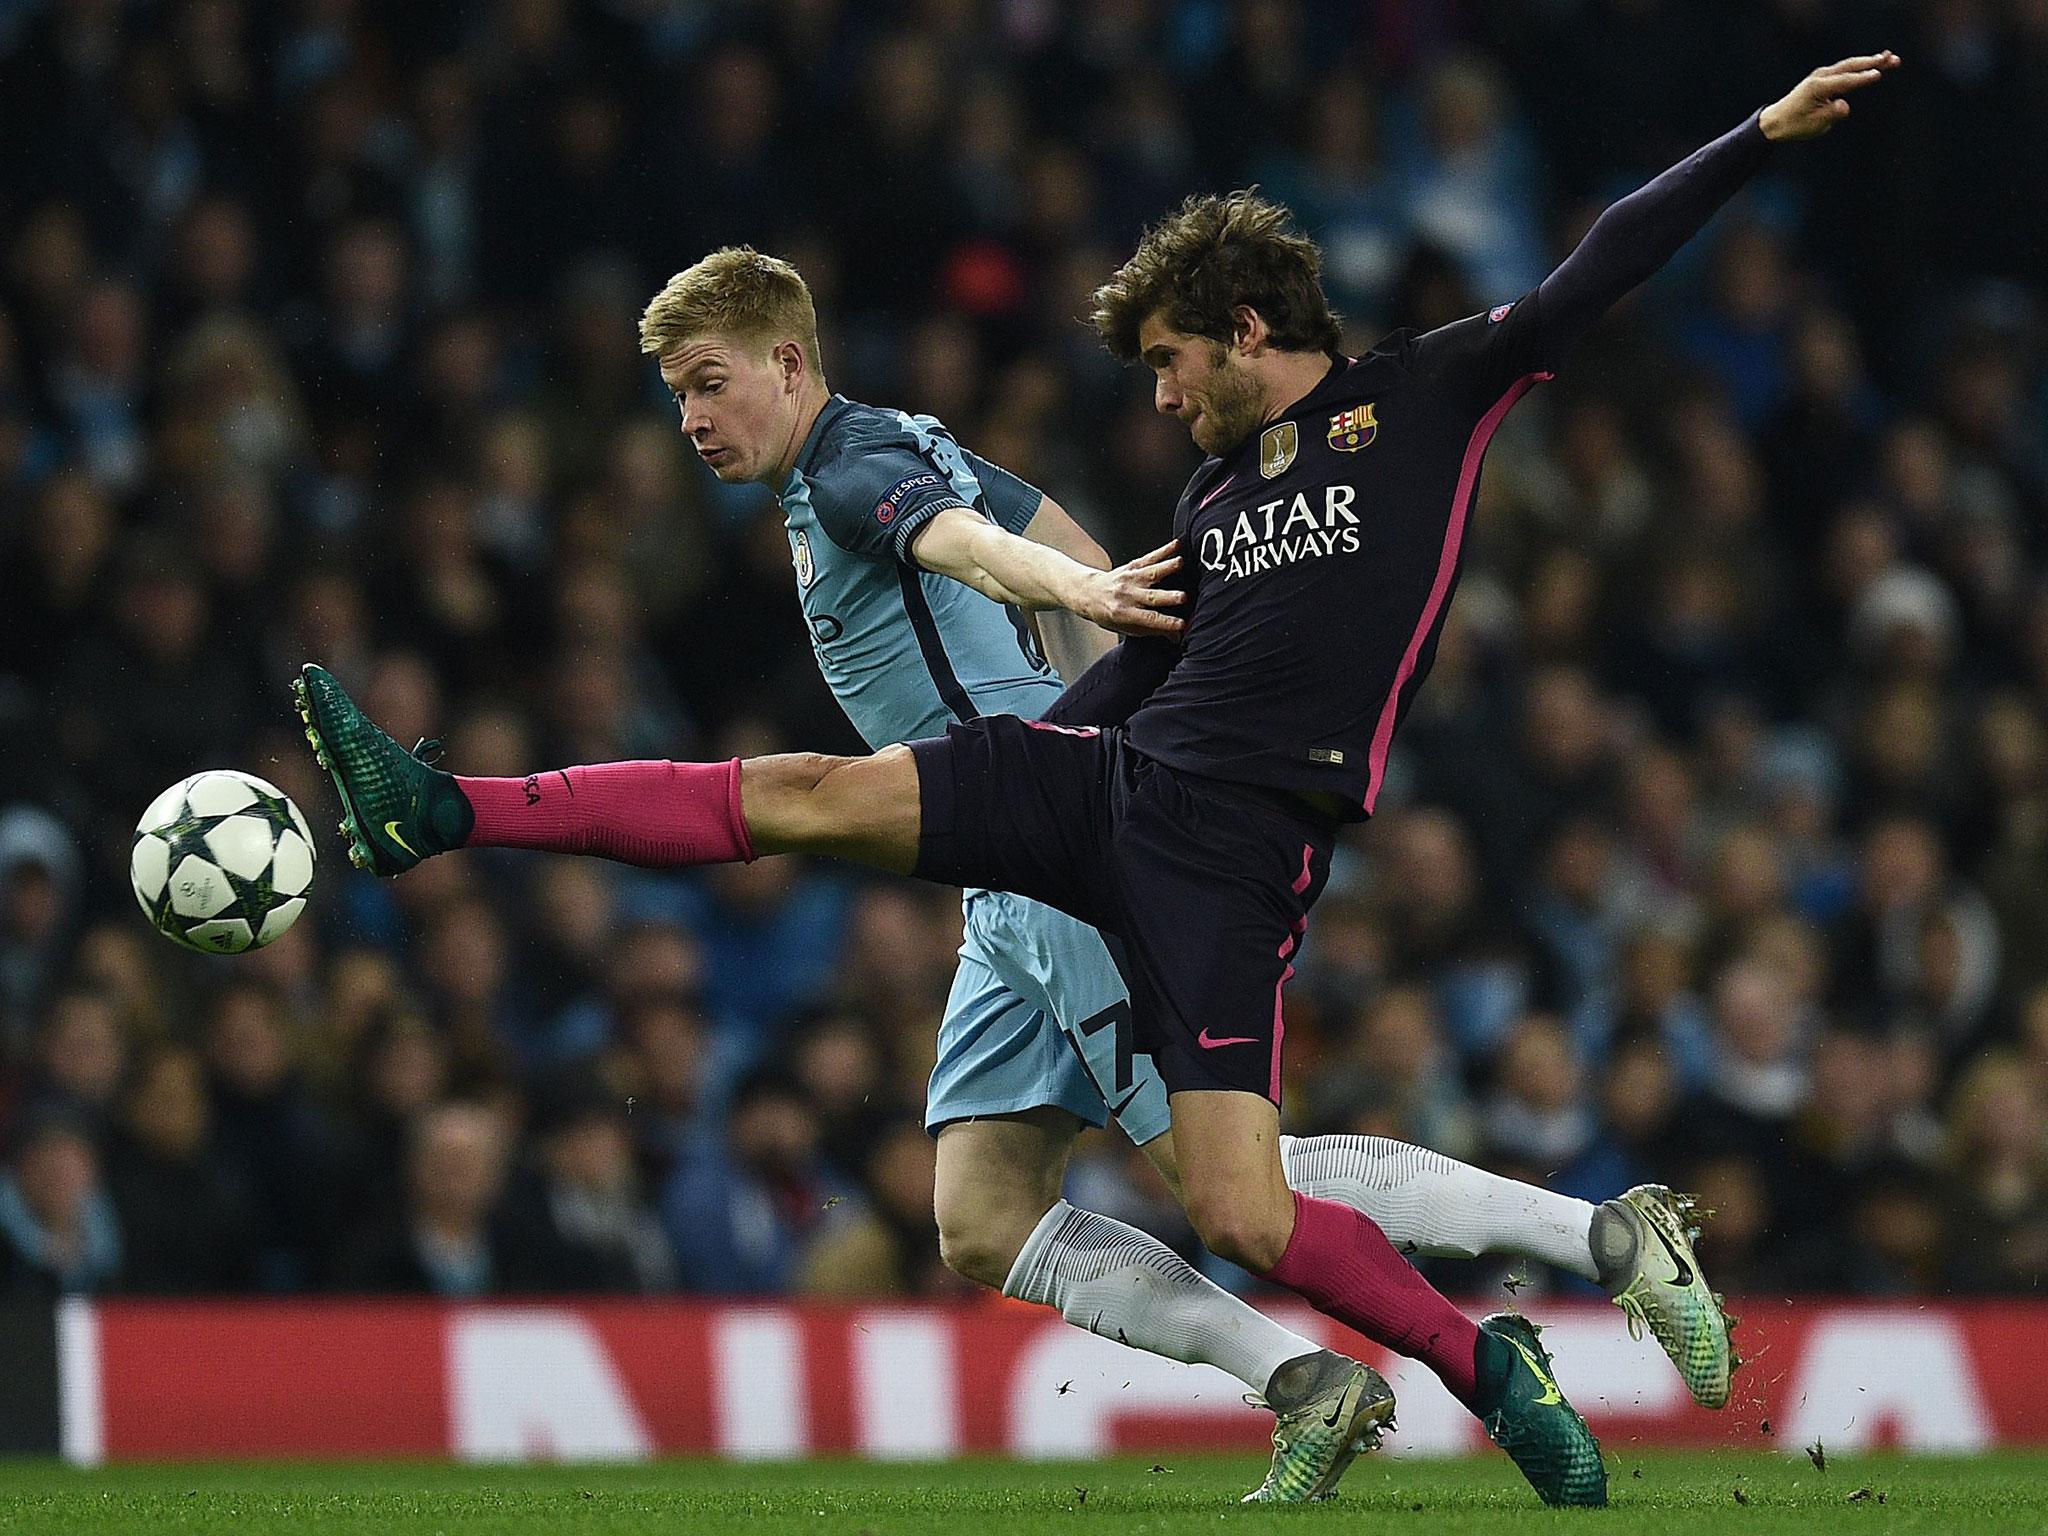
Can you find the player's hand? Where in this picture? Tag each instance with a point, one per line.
(1128, 599)
(1820, 101)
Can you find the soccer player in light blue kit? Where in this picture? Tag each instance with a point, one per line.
(934, 584)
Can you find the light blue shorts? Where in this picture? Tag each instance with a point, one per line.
(1039, 1016)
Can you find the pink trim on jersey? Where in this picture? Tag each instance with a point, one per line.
(1287, 947)
(1228, 481)
(1446, 567)
(1065, 730)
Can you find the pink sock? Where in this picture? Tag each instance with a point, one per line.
(660, 815)
(1342, 1264)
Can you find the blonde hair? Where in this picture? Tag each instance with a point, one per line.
(735, 291)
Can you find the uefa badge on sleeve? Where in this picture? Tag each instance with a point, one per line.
(1278, 448)
(800, 554)
(1351, 430)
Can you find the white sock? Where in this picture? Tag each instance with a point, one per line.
(1126, 1285)
(1431, 1204)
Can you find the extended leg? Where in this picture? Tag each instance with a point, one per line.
(397, 809)
(1236, 1193)
(1234, 1186)
(1638, 1246)
(859, 808)
(1430, 1204)
(1001, 1222)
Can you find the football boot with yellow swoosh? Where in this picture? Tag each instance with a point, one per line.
(397, 808)
(1527, 1416)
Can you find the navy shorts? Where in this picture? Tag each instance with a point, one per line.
(1202, 887)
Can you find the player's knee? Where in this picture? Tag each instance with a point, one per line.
(978, 1243)
(969, 1253)
(1241, 1231)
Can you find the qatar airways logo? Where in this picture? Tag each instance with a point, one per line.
(1283, 532)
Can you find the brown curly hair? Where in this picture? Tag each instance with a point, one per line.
(1196, 266)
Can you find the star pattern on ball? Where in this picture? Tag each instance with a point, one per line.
(222, 862)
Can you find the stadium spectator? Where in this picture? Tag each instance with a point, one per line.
(839, 1063)
(39, 901)
(660, 1064)
(740, 1212)
(401, 1068)
(272, 1134)
(1998, 1145)
(577, 1216)
(59, 1233)
(1395, 1077)
(184, 1222)
(451, 1237)
(81, 1054)
(888, 1248)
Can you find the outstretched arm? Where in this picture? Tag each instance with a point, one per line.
(1637, 235)
(969, 548)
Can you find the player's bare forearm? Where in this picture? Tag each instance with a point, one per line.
(1637, 235)
(998, 564)
(970, 549)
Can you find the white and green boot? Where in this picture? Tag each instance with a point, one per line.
(1642, 1242)
(1315, 1442)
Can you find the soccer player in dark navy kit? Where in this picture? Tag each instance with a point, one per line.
(1185, 797)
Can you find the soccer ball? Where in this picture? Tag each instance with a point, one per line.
(222, 862)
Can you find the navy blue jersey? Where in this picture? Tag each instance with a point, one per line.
(1324, 551)
(906, 651)
(1321, 553)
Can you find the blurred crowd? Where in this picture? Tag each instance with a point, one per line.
(1716, 849)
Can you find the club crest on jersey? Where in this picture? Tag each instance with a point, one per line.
(1499, 313)
(1351, 430)
(800, 555)
(1278, 448)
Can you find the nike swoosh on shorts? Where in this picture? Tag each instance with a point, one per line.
(1207, 1043)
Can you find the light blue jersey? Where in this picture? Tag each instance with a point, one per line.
(904, 650)
(1039, 1014)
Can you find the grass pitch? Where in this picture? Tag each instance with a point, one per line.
(1672, 1494)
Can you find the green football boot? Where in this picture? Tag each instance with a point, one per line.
(1642, 1243)
(396, 807)
(1527, 1416)
(1315, 1443)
